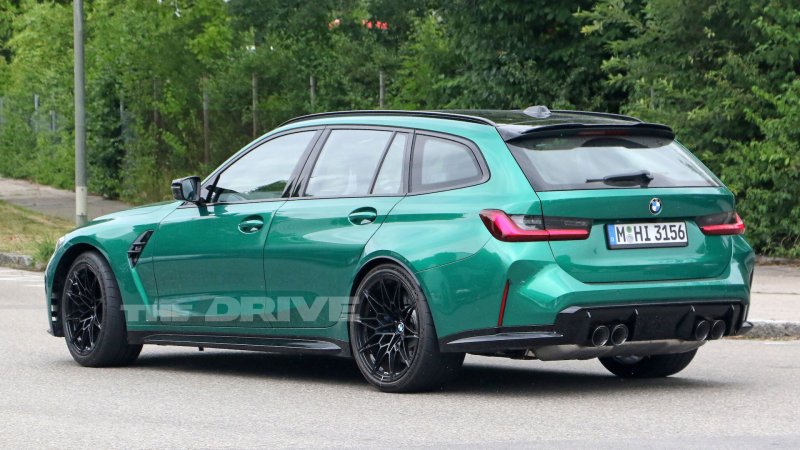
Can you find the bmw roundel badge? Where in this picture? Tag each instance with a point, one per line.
(655, 206)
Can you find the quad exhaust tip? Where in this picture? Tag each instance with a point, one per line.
(701, 330)
(600, 336)
(718, 328)
(619, 334)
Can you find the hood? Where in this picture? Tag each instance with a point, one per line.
(154, 211)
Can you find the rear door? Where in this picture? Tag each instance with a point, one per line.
(646, 196)
(317, 238)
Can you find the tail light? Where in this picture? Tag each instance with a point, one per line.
(726, 223)
(529, 228)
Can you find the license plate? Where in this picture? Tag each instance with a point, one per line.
(647, 235)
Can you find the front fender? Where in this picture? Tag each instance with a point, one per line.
(111, 236)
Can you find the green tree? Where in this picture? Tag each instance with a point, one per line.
(516, 54)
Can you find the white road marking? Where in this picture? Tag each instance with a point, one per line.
(22, 278)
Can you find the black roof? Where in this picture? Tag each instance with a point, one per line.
(513, 124)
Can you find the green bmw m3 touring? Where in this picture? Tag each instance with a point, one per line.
(406, 239)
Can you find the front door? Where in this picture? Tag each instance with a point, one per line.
(209, 259)
(208, 263)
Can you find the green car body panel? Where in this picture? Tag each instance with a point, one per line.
(307, 248)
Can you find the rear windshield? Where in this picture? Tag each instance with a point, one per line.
(607, 162)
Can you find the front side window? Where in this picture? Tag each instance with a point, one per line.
(442, 163)
(347, 163)
(264, 171)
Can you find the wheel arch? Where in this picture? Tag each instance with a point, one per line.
(376, 261)
(59, 277)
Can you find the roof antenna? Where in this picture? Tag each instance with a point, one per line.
(538, 111)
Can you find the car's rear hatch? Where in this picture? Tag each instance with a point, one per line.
(647, 198)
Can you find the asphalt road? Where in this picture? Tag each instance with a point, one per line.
(736, 393)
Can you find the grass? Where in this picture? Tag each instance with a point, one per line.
(29, 233)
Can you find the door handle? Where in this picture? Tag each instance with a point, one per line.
(251, 225)
(363, 216)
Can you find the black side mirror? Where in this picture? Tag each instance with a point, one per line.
(186, 189)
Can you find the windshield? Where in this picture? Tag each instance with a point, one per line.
(607, 162)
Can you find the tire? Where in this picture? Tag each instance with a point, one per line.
(655, 366)
(92, 315)
(392, 335)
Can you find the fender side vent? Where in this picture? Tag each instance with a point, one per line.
(137, 247)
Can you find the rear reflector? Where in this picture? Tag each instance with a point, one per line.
(732, 224)
(503, 305)
(528, 228)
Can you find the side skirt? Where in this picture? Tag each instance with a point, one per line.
(269, 344)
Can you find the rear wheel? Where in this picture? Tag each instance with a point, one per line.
(94, 322)
(392, 334)
(654, 366)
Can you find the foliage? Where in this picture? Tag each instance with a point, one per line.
(766, 175)
(516, 54)
(723, 73)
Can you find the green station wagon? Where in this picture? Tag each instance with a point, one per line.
(406, 239)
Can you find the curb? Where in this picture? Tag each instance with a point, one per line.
(774, 261)
(17, 261)
(773, 329)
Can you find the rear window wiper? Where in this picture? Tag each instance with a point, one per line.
(641, 177)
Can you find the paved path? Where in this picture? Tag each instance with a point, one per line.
(52, 201)
(776, 294)
(736, 393)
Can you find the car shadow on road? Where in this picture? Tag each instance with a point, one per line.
(303, 368)
(540, 380)
(474, 379)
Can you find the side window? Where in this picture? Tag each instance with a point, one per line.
(264, 171)
(441, 163)
(390, 178)
(347, 163)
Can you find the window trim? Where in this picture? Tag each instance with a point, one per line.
(254, 145)
(476, 154)
(295, 187)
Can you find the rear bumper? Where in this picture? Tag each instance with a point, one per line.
(652, 329)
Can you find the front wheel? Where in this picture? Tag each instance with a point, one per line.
(94, 322)
(392, 335)
(654, 366)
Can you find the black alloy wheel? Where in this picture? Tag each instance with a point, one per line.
(83, 309)
(388, 328)
(92, 314)
(652, 366)
(393, 337)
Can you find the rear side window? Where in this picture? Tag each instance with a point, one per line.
(347, 163)
(390, 178)
(607, 162)
(442, 163)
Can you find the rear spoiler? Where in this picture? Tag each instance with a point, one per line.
(514, 133)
